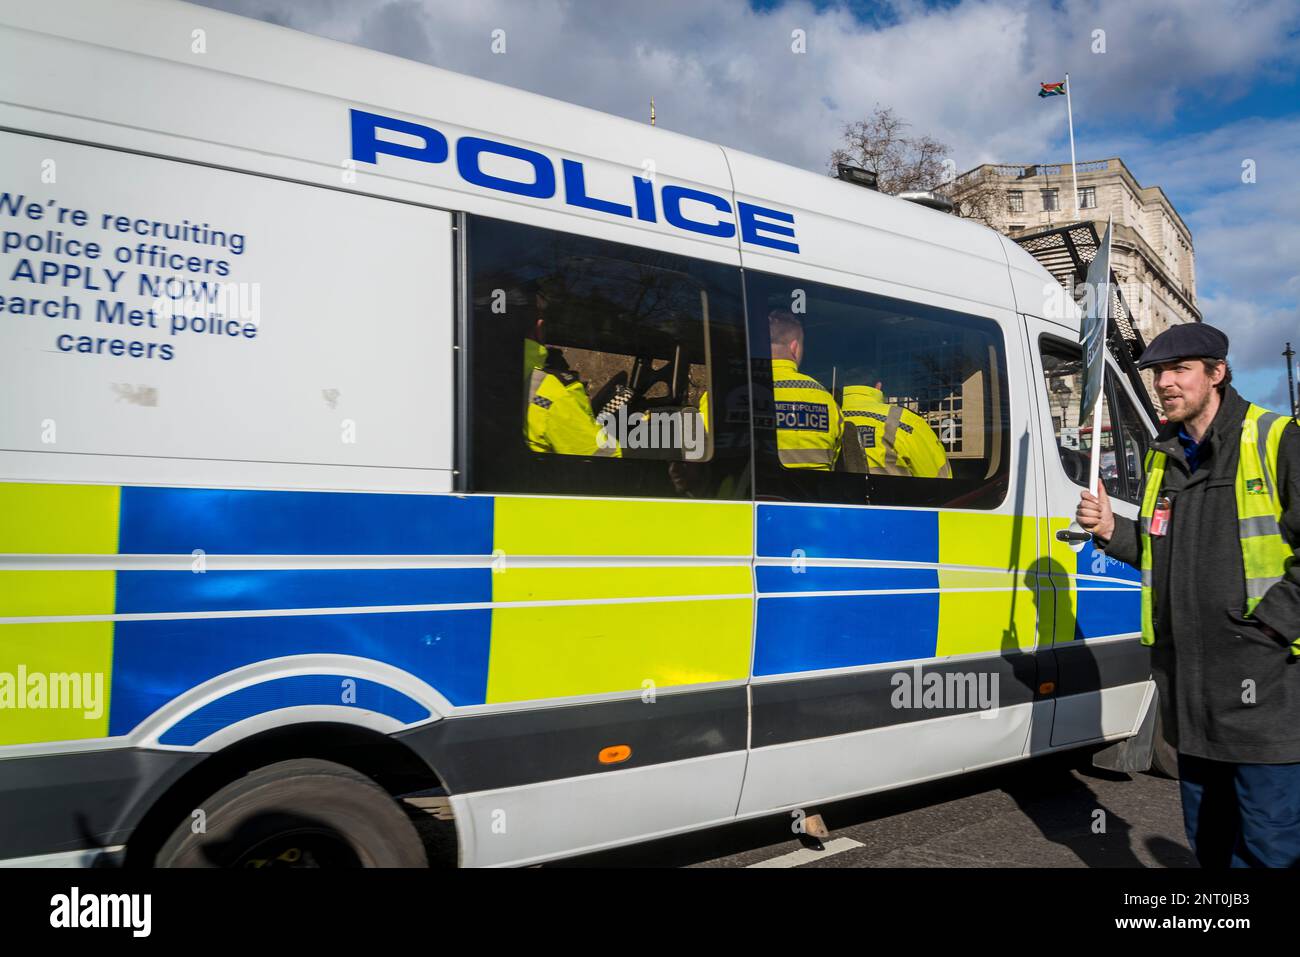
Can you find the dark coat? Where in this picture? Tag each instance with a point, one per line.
(1206, 649)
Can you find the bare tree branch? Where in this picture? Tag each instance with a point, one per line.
(901, 162)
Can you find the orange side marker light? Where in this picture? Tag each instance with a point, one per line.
(614, 754)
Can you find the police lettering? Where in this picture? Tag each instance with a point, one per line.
(693, 210)
(803, 416)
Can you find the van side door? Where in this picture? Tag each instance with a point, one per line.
(1101, 669)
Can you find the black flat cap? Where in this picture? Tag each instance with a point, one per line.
(1188, 340)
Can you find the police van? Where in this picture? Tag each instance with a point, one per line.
(302, 506)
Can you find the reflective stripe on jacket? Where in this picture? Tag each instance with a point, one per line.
(895, 440)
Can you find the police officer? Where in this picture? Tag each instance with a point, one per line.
(1220, 599)
(557, 412)
(809, 425)
(896, 440)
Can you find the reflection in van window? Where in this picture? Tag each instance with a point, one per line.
(809, 423)
(609, 357)
(1123, 443)
(865, 398)
(1131, 441)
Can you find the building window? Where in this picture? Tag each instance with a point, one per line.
(863, 399)
(1049, 200)
(1016, 227)
(1015, 200)
(597, 368)
(1088, 197)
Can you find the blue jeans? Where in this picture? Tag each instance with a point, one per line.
(1241, 815)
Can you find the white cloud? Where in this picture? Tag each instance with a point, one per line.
(1257, 336)
(966, 74)
(1247, 236)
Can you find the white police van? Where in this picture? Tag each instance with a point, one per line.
(275, 542)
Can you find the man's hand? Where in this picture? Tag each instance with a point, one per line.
(1094, 514)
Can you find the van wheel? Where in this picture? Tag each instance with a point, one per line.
(302, 813)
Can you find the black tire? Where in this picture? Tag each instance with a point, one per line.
(1164, 758)
(301, 813)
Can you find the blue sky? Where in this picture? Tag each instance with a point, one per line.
(1184, 91)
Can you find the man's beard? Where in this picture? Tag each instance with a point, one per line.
(1189, 413)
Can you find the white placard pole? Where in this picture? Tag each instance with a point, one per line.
(1094, 462)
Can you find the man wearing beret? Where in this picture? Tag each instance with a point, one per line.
(1220, 599)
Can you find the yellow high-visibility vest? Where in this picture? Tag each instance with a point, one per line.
(557, 414)
(895, 440)
(1265, 554)
(809, 425)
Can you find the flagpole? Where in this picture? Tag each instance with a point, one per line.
(1074, 170)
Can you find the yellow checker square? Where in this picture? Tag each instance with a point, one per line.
(30, 594)
(1067, 611)
(557, 651)
(1048, 606)
(583, 526)
(55, 681)
(983, 540)
(59, 519)
(994, 608)
(1060, 564)
(1064, 560)
(1002, 615)
(531, 583)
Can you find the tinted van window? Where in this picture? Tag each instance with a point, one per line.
(602, 368)
(862, 398)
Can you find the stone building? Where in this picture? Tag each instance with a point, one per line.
(1153, 255)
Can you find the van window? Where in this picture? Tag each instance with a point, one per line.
(863, 399)
(600, 368)
(1128, 445)
(1124, 439)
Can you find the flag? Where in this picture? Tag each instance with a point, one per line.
(1052, 89)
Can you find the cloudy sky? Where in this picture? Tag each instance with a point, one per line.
(1185, 91)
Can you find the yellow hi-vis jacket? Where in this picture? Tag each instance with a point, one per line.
(896, 441)
(557, 415)
(809, 425)
(1265, 554)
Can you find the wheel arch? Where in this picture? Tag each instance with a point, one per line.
(392, 765)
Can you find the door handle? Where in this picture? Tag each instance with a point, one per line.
(1065, 535)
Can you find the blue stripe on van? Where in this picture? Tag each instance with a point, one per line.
(1092, 561)
(812, 633)
(163, 591)
(239, 522)
(154, 661)
(1102, 613)
(288, 692)
(902, 535)
(783, 578)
